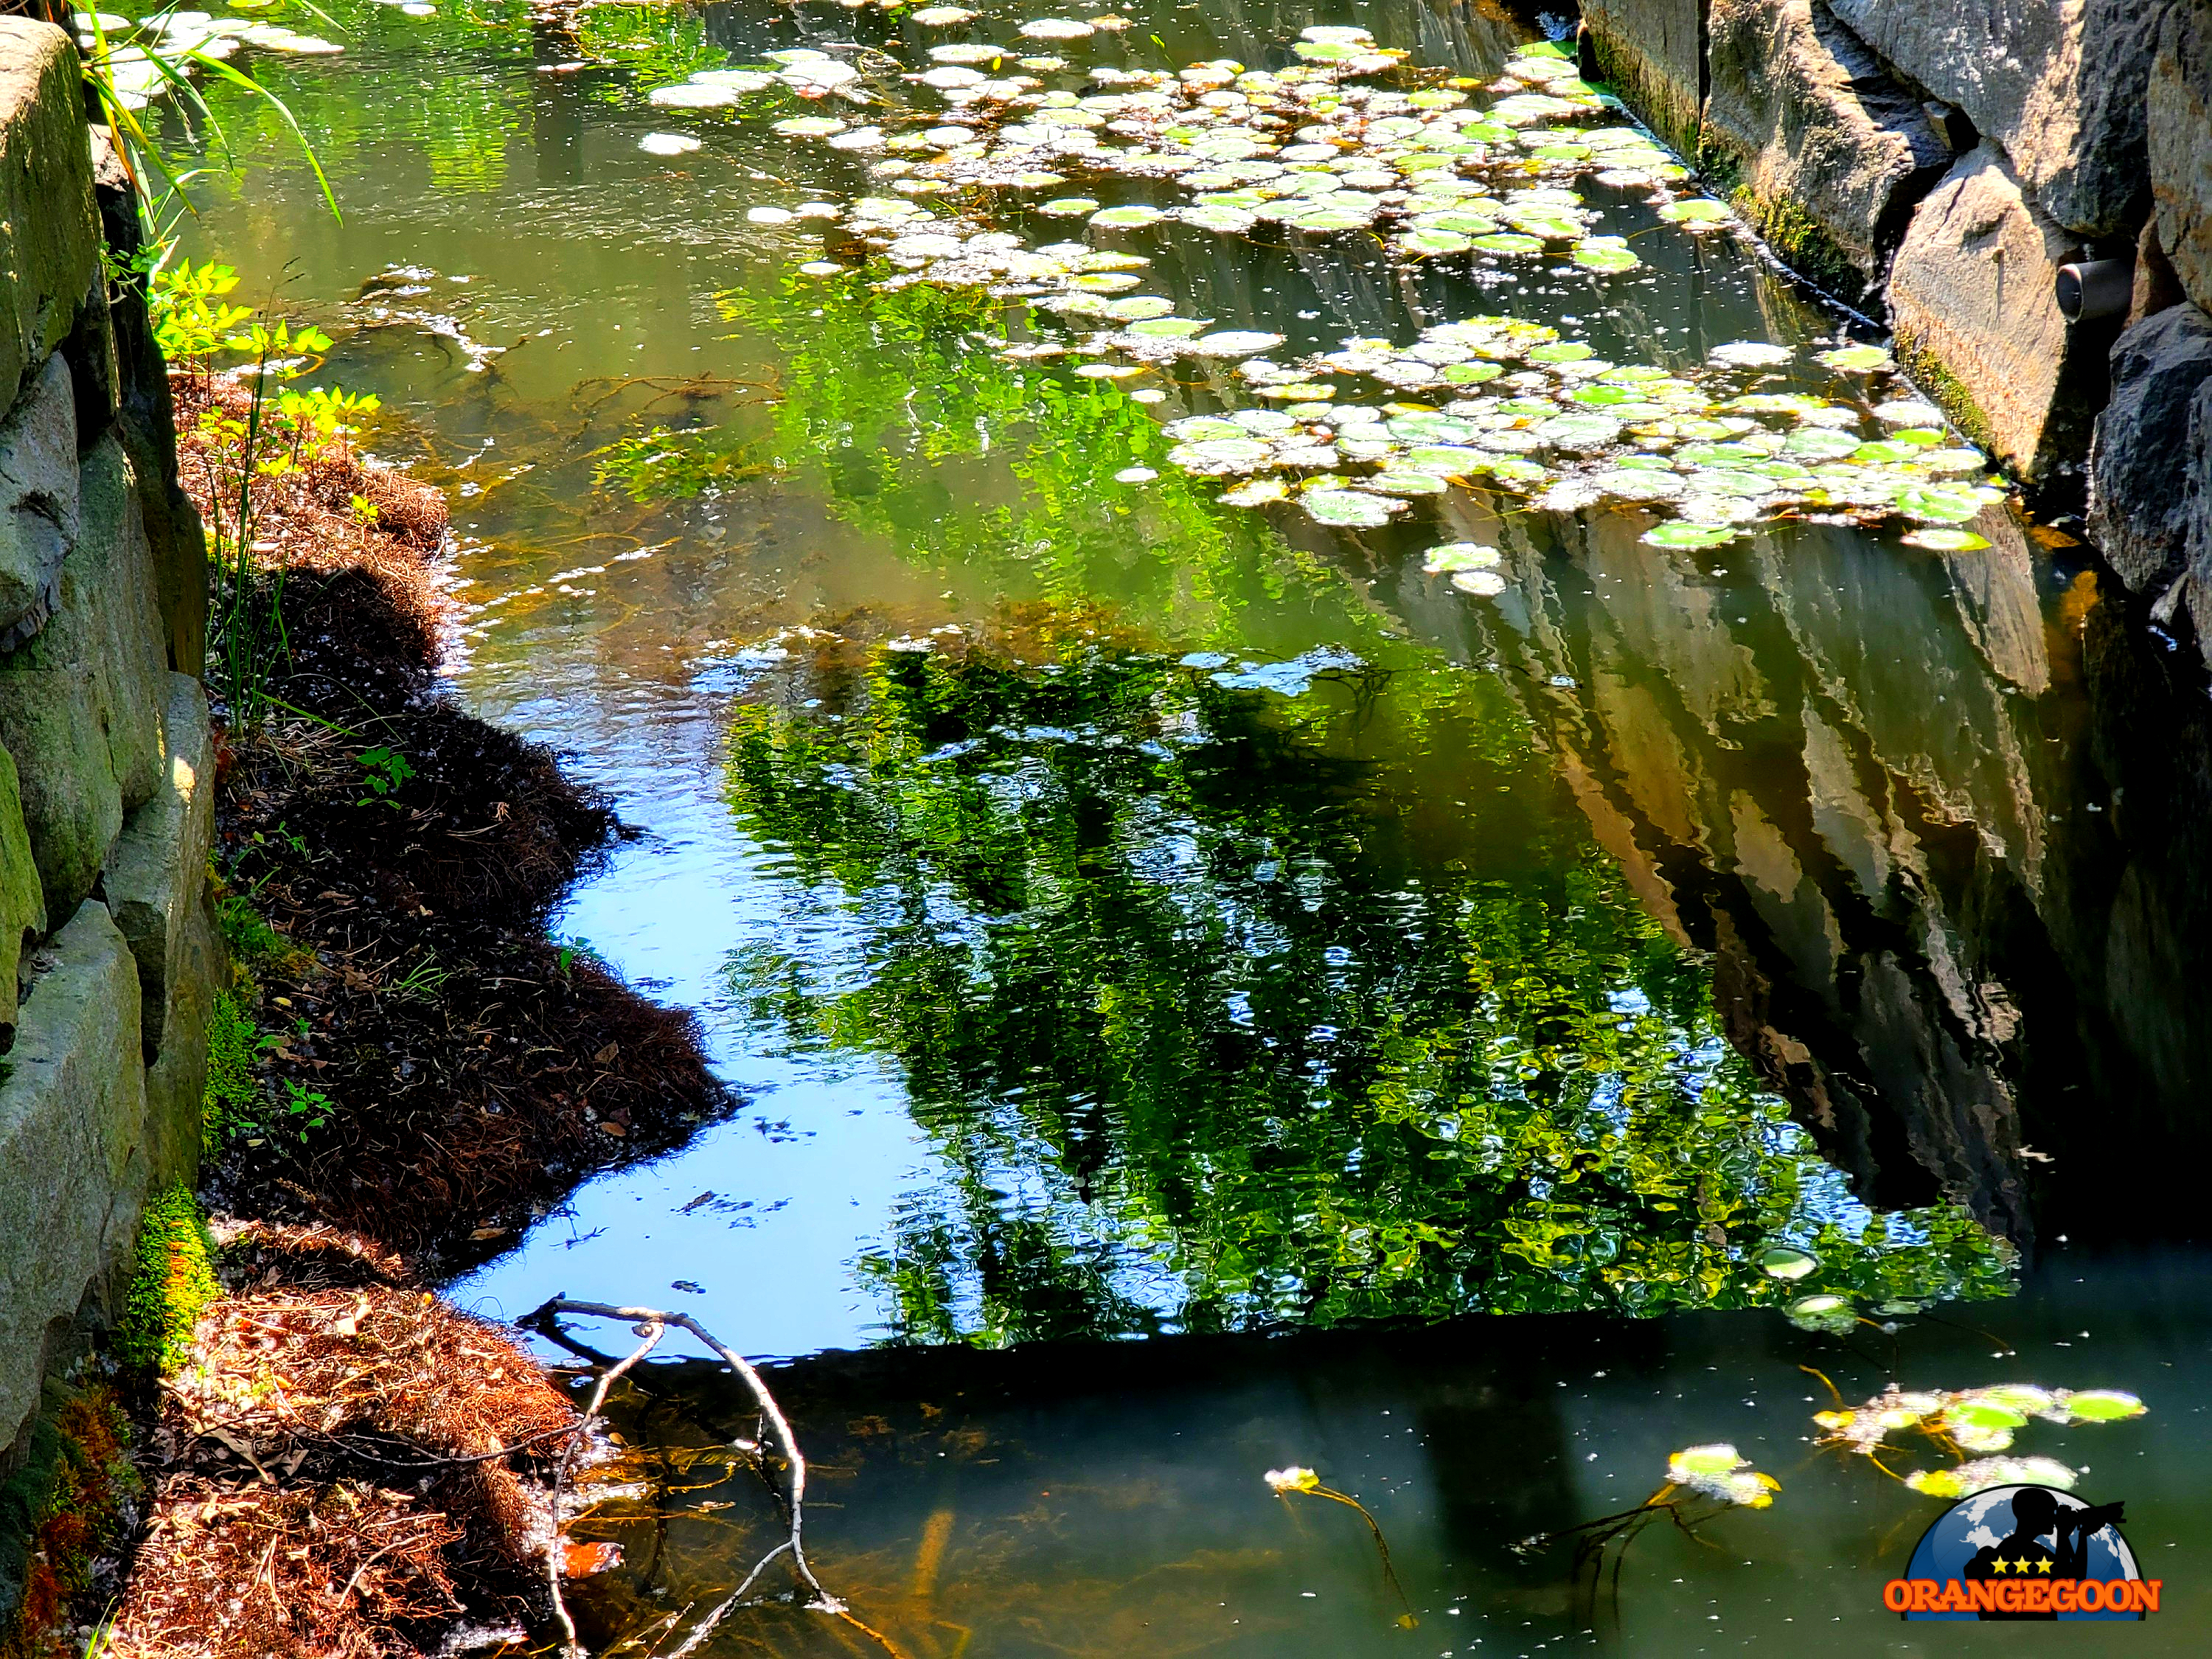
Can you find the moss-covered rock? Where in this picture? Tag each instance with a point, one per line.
(1827, 153)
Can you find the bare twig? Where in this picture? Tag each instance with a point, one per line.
(786, 1444)
(652, 1327)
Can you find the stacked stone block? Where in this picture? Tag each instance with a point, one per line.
(109, 954)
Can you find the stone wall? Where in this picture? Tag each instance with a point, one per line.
(1934, 162)
(108, 952)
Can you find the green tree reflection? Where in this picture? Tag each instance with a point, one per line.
(1226, 1005)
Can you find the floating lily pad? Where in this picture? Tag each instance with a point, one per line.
(1432, 242)
(1235, 342)
(1351, 508)
(1403, 480)
(2102, 1406)
(1821, 442)
(1857, 359)
(1454, 556)
(1564, 351)
(1256, 492)
(1937, 504)
(1697, 211)
(1688, 535)
(1748, 354)
(1121, 218)
(1166, 328)
(1606, 253)
(1194, 428)
(1482, 584)
(1787, 1262)
(808, 126)
(1508, 242)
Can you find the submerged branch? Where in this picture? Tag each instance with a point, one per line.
(656, 1322)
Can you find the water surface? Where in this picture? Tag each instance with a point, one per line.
(1126, 917)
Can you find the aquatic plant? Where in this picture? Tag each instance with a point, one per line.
(1296, 1478)
(1701, 450)
(1703, 1483)
(1964, 1421)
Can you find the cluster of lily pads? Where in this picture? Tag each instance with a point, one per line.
(1977, 1420)
(1356, 435)
(140, 61)
(1304, 147)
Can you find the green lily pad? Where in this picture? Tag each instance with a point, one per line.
(1166, 328)
(1458, 556)
(1857, 359)
(2103, 1405)
(1824, 442)
(1506, 242)
(1562, 351)
(1450, 461)
(1677, 534)
(1938, 505)
(1697, 211)
(1787, 1262)
(1433, 242)
(1130, 217)
(1350, 508)
(1606, 254)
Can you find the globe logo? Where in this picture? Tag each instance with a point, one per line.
(2024, 1553)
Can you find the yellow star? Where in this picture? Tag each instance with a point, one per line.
(1999, 1564)
(2044, 1567)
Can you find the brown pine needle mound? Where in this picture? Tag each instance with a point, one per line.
(328, 1482)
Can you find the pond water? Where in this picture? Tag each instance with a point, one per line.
(1483, 1022)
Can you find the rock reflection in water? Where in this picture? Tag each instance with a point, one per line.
(1938, 835)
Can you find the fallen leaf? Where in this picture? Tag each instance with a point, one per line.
(583, 1561)
(606, 1054)
(615, 1129)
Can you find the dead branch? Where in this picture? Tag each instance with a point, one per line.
(786, 1443)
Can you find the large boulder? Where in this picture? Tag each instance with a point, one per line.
(72, 1152)
(148, 423)
(49, 239)
(39, 505)
(1654, 51)
(2056, 84)
(2142, 501)
(2179, 119)
(156, 874)
(1829, 153)
(81, 706)
(1972, 301)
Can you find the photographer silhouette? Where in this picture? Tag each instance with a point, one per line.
(2021, 1554)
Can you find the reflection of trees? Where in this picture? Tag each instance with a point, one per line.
(1208, 1032)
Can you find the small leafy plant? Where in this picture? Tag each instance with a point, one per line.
(387, 769)
(302, 1109)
